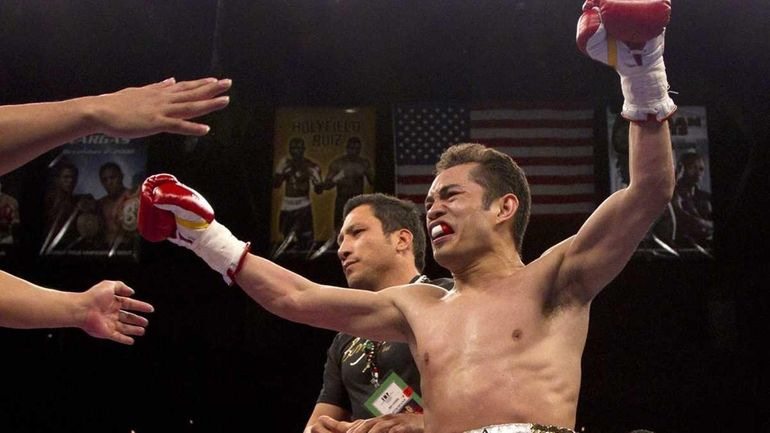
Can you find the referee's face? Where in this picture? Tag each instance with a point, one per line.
(366, 253)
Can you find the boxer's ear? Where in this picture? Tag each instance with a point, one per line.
(507, 206)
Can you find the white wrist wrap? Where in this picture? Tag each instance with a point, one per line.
(219, 249)
(647, 94)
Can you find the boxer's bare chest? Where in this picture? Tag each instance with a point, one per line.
(469, 328)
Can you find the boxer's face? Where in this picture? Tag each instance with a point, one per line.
(354, 147)
(458, 225)
(364, 250)
(67, 180)
(297, 149)
(112, 180)
(693, 172)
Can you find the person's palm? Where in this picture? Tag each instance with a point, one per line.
(101, 319)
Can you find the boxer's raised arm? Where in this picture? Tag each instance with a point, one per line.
(627, 35)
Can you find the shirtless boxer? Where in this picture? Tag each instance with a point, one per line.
(300, 176)
(501, 352)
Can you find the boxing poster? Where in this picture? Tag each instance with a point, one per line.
(686, 227)
(10, 217)
(91, 199)
(322, 157)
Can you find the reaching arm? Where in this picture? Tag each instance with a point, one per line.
(602, 247)
(103, 311)
(28, 130)
(173, 211)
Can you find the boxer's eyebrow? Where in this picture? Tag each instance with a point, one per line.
(443, 193)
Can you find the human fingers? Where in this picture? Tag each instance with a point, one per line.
(193, 109)
(332, 425)
(317, 428)
(202, 92)
(386, 426)
(160, 84)
(135, 305)
(123, 329)
(130, 318)
(184, 127)
(122, 339)
(120, 288)
(122, 292)
(182, 86)
(357, 426)
(177, 124)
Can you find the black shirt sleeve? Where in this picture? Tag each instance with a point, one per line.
(333, 391)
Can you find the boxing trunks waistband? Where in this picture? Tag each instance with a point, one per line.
(293, 203)
(520, 428)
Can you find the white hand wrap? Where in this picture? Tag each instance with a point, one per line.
(642, 74)
(221, 250)
(645, 87)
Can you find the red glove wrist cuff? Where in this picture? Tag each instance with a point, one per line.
(231, 273)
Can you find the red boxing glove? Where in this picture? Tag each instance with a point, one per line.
(154, 224)
(634, 21)
(628, 35)
(171, 210)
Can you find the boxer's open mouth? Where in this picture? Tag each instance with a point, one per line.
(440, 230)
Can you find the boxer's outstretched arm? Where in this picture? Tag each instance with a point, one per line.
(171, 210)
(28, 130)
(284, 293)
(103, 311)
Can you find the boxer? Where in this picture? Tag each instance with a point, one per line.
(501, 351)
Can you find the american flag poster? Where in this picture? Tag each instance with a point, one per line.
(553, 144)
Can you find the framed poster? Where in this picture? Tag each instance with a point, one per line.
(686, 228)
(91, 199)
(10, 217)
(322, 157)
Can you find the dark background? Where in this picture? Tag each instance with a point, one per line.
(674, 346)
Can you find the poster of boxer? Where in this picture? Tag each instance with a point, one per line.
(322, 157)
(10, 218)
(686, 228)
(91, 198)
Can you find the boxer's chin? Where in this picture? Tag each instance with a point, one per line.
(444, 253)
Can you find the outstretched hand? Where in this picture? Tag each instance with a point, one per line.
(108, 312)
(160, 107)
